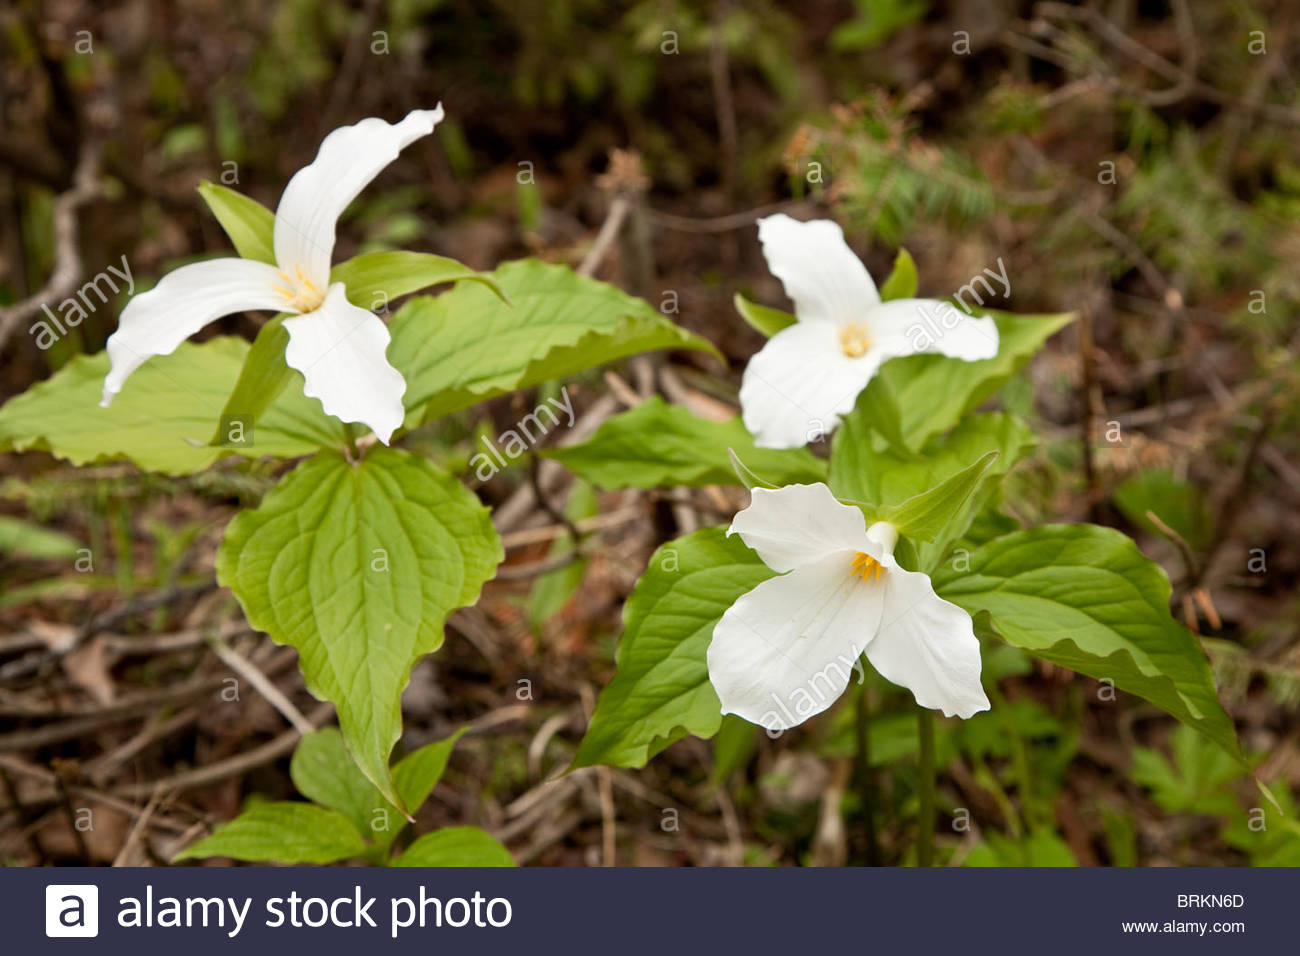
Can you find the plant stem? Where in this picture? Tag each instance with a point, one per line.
(350, 433)
(862, 771)
(925, 788)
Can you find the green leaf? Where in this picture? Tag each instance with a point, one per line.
(1198, 781)
(358, 566)
(888, 477)
(1085, 598)
(656, 445)
(416, 774)
(262, 378)
(25, 539)
(765, 320)
(373, 279)
(1038, 849)
(164, 416)
(925, 516)
(249, 224)
(281, 833)
(662, 691)
(465, 345)
(324, 772)
(456, 846)
(932, 393)
(902, 282)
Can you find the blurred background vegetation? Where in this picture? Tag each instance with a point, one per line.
(1134, 160)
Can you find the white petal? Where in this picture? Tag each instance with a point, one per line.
(339, 348)
(349, 158)
(927, 645)
(797, 386)
(786, 650)
(800, 524)
(818, 269)
(183, 301)
(912, 326)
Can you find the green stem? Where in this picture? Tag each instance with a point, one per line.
(925, 788)
(862, 771)
(350, 433)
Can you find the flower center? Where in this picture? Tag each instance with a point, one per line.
(854, 340)
(866, 567)
(300, 293)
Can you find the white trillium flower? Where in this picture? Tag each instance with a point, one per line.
(338, 347)
(787, 649)
(808, 375)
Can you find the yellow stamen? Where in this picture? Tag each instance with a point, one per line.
(865, 566)
(301, 293)
(854, 340)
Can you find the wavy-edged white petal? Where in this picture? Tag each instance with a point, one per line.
(800, 524)
(348, 159)
(183, 301)
(796, 387)
(913, 326)
(786, 650)
(827, 282)
(340, 350)
(927, 645)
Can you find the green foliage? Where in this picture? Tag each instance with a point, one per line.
(1085, 598)
(886, 477)
(660, 445)
(24, 539)
(249, 224)
(348, 817)
(662, 691)
(761, 318)
(1198, 780)
(903, 280)
(876, 22)
(467, 345)
(456, 846)
(292, 833)
(357, 565)
(163, 419)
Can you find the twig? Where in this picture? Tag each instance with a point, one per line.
(249, 671)
(67, 255)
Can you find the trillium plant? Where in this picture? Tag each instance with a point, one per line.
(884, 571)
(363, 547)
(877, 562)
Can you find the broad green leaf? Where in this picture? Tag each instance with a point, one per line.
(902, 282)
(358, 566)
(324, 772)
(416, 774)
(1176, 502)
(466, 345)
(164, 416)
(657, 444)
(925, 516)
(456, 846)
(932, 393)
(262, 378)
(249, 224)
(765, 320)
(281, 833)
(887, 477)
(662, 692)
(373, 279)
(25, 539)
(1085, 598)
